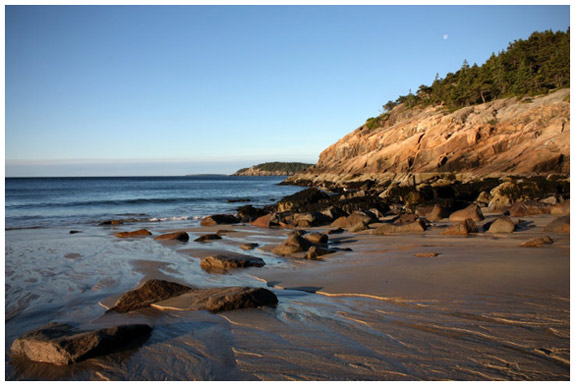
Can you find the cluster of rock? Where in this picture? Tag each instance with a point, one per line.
(63, 344)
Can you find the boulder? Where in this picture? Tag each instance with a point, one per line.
(219, 219)
(537, 241)
(223, 262)
(391, 229)
(437, 213)
(62, 344)
(248, 213)
(151, 291)
(464, 228)
(208, 237)
(312, 218)
(220, 299)
(406, 218)
(528, 208)
(264, 221)
(317, 238)
(314, 252)
(561, 208)
(293, 244)
(359, 228)
(138, 233)
(472, 211)
(249, 246)
(351, 220)
(179, 236)
(559, 225)
(301, 199)
(335, 231)
(502, 224)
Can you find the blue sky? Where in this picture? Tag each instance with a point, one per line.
(173, 90)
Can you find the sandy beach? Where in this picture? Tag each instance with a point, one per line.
(483, 308)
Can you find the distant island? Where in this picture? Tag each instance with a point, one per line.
(273, 169)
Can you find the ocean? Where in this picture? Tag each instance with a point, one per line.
(84, 202)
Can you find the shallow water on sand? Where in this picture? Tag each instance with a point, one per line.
(55, 276)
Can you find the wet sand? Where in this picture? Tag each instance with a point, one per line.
(482, 309)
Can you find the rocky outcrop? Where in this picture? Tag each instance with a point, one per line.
(163, 294)
(504, 137)
(221, 299)
(62, 344)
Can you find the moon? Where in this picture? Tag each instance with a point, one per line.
(445, 37)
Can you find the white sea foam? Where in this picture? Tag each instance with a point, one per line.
(175, 218)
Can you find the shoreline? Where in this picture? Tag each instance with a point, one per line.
(377, 312)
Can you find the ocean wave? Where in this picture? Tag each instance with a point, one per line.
(174, 218)
(132, 201)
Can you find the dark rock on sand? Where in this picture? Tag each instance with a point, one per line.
(138, 233)
(208, 237)
(293, 244)
(559, 225)
(472, 211)
(221, 299)
(502, 224)
(248, 213)
(62, 344)
(249, 246)
(223, 262)
(317, 238)
(314, 252)
(74, 232)
(219, 219)
(537, 241)
(150, 292)
(391, 229)
(464, 228)
(179, 236)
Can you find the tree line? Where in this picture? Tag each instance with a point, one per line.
(527, 67)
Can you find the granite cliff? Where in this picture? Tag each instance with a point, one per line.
(516, 136)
